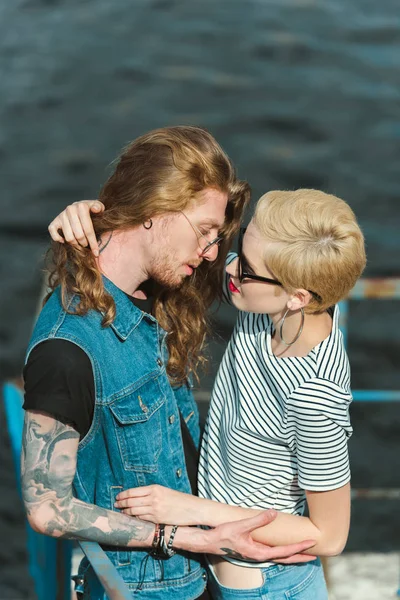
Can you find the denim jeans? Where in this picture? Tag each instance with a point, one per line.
(302, 581)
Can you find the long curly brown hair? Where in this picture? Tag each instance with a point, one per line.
(163, 171)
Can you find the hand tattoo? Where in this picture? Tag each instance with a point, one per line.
(233, 554)
(48, 465)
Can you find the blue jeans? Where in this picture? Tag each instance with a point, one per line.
(302, 581)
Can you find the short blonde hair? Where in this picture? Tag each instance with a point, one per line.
(314, 243)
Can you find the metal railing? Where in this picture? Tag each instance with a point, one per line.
(367, 289)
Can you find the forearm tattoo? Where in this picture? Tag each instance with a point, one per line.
(48, 464)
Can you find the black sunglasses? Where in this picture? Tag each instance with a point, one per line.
(245, 272)
(243, 267)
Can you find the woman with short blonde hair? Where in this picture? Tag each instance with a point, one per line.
(278, 423)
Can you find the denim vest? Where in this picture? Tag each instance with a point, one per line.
(135, 436)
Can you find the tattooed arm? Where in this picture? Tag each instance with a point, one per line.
(48, 465)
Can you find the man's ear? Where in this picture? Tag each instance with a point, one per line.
(299, 299)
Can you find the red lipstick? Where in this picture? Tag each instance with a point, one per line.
(232, 287)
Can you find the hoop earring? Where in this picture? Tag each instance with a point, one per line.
(148, 224)
(298, 333)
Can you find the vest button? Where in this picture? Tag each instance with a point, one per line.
(204, 576)
(171, 419)
(159, 362)
(179, 472)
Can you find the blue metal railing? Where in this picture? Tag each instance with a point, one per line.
(382, 289)
(367, 289)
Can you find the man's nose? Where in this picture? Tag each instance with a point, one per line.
(211, 254)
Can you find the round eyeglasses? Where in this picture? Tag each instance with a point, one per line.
(205, 245)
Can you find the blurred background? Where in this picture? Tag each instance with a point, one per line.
(300, 93)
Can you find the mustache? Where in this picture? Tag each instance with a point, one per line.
(194, 264)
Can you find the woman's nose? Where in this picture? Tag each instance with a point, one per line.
(232, 268)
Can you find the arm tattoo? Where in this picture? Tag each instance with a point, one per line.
(48, 465)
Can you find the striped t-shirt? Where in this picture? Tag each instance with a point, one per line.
(276, 426)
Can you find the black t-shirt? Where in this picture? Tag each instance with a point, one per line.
(59, 380)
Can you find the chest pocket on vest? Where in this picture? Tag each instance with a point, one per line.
(138, 426)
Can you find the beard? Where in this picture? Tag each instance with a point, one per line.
(164, 271)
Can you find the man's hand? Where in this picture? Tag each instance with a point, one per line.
(76, 226)
(234, 539)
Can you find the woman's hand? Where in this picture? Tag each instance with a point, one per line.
(160, 504)
(76, 226)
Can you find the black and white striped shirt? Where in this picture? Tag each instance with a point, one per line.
(276, 426)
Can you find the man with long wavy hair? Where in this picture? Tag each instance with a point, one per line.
(108, 399)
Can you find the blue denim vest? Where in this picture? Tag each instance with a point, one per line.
(135, 437)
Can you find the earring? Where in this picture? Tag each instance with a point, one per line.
(298, 333)
(148, 224)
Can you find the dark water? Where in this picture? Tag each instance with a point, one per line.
(299, 92)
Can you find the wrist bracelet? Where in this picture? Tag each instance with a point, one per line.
(166, 548)
(171, 541)
(161, 542)
(156, 539)
(160, 549)
(157, 547)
